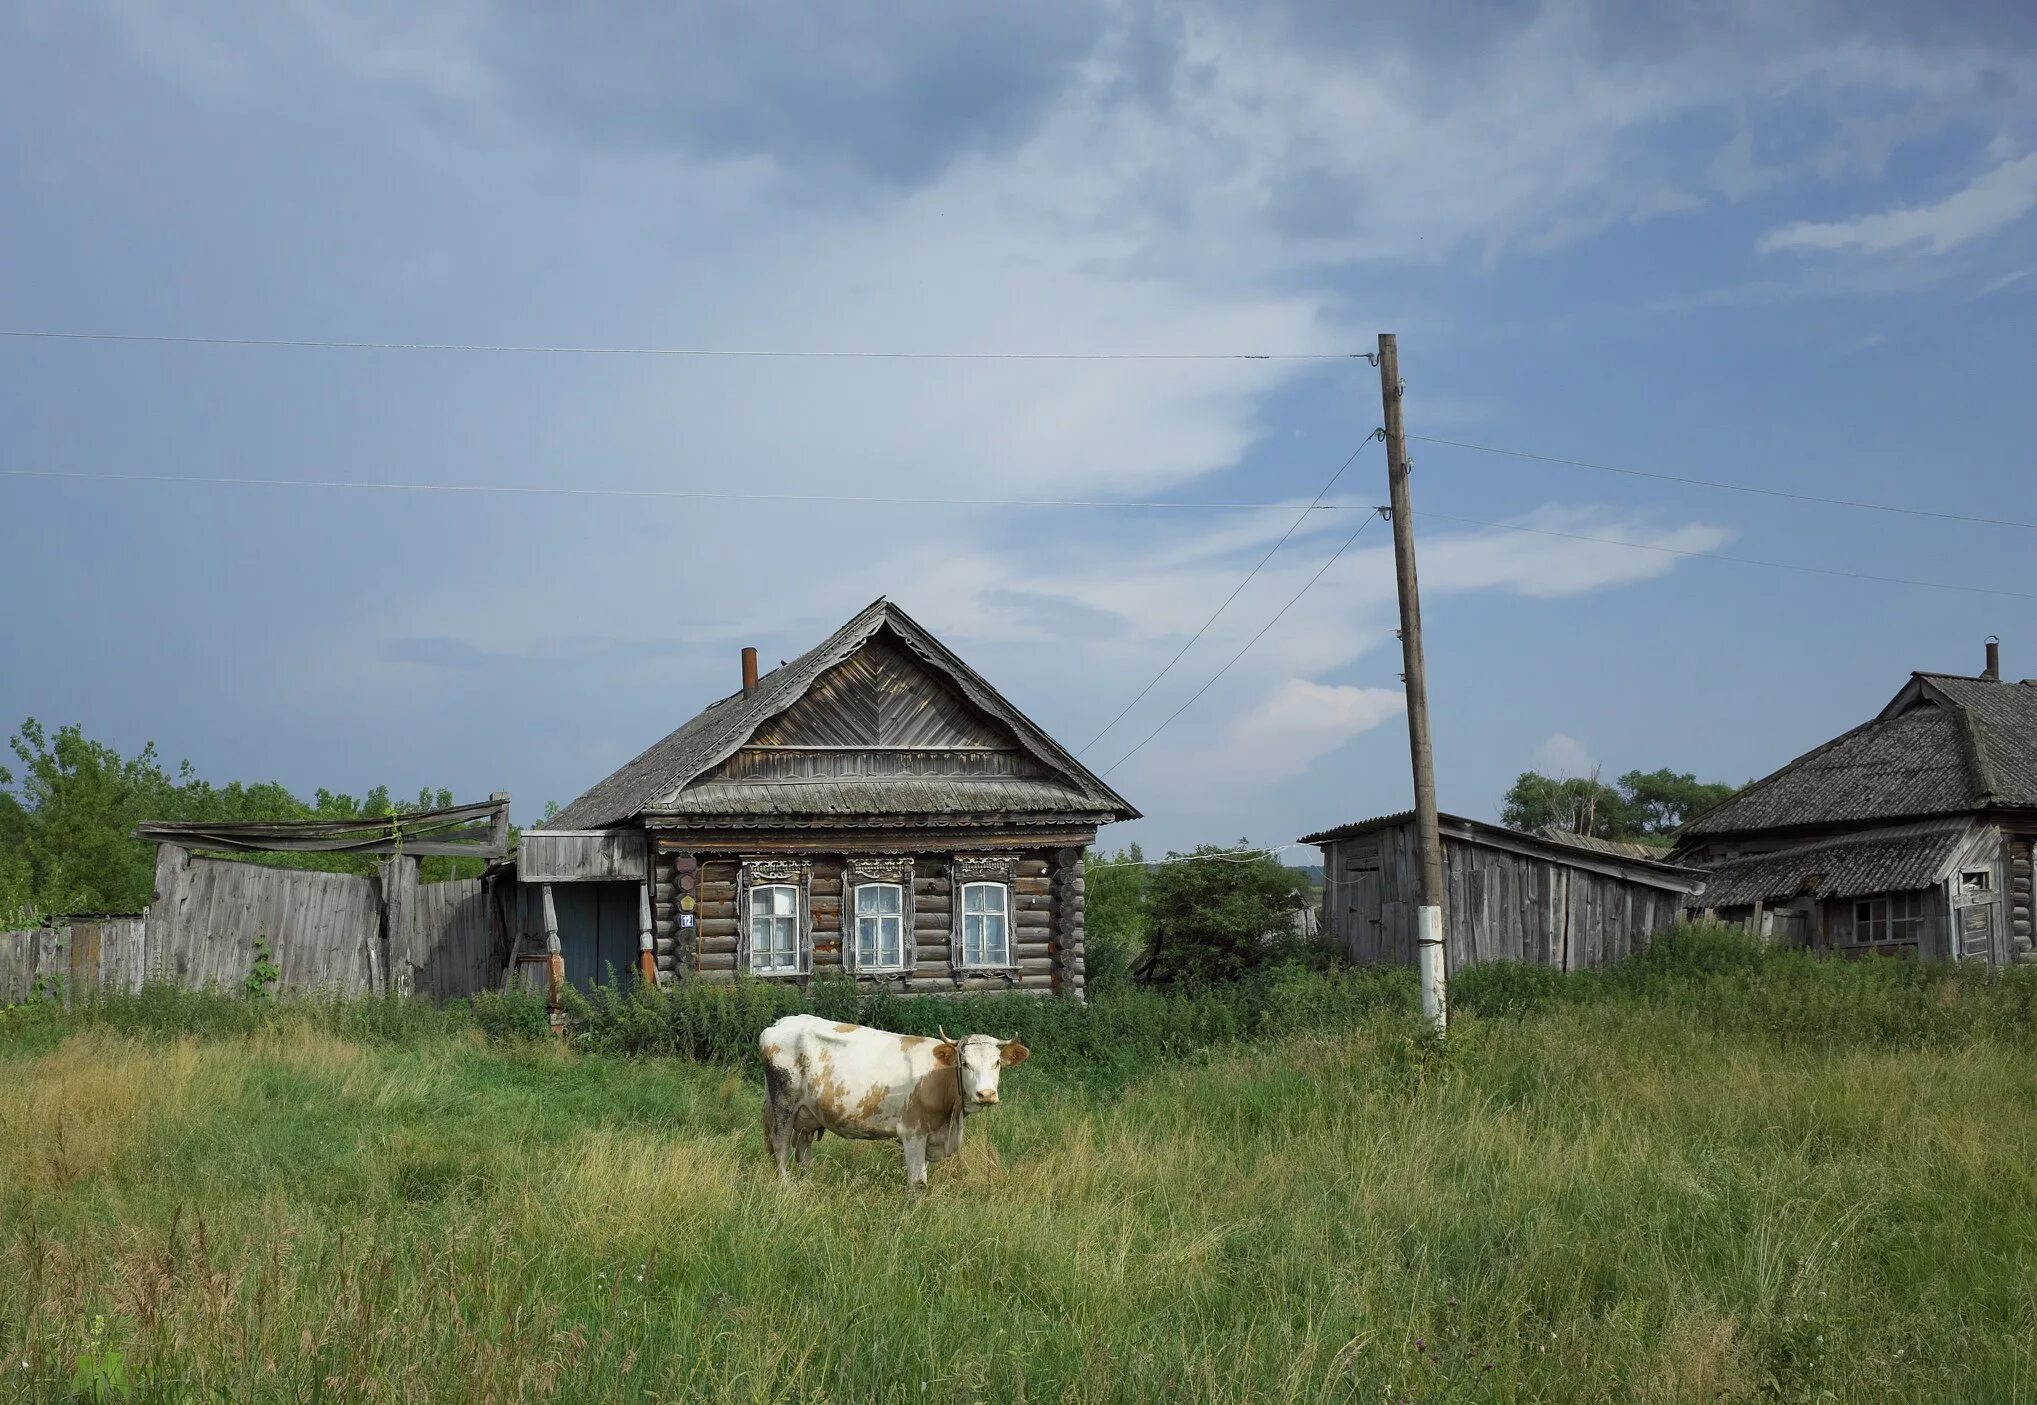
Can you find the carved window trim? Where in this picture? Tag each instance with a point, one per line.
(964, 870)
(771, 873)
(862, 872)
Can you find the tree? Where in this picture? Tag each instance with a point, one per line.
(1217, 916)
(1661, 802)
(1579, 804)
(1645, 805)
(1114, 916)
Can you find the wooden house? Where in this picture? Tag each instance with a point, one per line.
(873, 807)
(1549, 898)
(1910, 834)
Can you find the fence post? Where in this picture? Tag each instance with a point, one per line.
(399, 919)
(165, 910)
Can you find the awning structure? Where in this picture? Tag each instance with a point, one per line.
(477, 831)
(1892, 860)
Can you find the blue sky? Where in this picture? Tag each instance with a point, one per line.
(1787, 245)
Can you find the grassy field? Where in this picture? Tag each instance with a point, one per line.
(1823, 1188)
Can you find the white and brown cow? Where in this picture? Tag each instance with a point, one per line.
(875, 1085)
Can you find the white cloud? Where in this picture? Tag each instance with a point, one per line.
(1302, 720)
(1992, 202)
(1561, 755)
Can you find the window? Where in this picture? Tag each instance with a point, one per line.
(880, 927)
(1896, 918)
(774, 929)
(986, 924)
(1976, 880)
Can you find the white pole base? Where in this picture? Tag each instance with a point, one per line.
(1429, 963)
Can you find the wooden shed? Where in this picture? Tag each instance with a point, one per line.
(872, 807)
(1553, 899)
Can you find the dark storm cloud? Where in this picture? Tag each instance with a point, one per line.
(891, 91)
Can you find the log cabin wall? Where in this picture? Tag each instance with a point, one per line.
(1045, 914)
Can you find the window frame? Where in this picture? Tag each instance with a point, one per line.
(962, 916)
(762, 874)
(1887, 919)
(790, 916)
(852, 936)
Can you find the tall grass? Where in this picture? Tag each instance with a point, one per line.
(1714, 1175)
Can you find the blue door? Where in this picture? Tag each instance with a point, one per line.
(597, 931)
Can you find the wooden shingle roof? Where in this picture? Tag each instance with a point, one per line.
(657, 781)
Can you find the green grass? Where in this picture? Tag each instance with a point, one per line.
(1714, 1175)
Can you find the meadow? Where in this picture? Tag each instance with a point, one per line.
(1718, 1174)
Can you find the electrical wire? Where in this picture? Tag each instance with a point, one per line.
(702, 352)
(1292, 601)
(1735, 560)
(686, 494)
(1292, 528)
(1749, 488)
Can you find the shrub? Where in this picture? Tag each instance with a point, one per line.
(1217, 916)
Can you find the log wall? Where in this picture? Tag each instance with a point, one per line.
(1045, 914)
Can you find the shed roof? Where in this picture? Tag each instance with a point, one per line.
(1944, 745)
(657, 780)
(1649, 868)
(1891, 859)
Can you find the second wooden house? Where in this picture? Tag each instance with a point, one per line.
(873, 807)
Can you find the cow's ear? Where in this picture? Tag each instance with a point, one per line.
(1014, 1053)
(944, 1055)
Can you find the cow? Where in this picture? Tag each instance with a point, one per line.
(871, 1084)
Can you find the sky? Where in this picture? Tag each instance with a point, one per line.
(1780, 245)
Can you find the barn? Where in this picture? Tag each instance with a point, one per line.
(874, 807)
(1550, 898)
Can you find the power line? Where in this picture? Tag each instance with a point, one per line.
(1292, 528)
(1749, 488)
(671, 493)
(746, 353)
(1736, 560)
(1242, 652)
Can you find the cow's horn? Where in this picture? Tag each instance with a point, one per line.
(944, 1034)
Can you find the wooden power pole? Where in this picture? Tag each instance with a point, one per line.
(1429, 950)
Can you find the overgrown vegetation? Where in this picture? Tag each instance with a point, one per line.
(1715, 1173)
(1217, 914)
(67, 819)
(1648, 806)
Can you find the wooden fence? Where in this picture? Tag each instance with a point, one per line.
(327, 933)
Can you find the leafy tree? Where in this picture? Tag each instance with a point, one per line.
(1214, 916)
(1644, 805)
(1114, 916)
(1576, 803)
(1661, 802)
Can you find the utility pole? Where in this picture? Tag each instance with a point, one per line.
(1429, 950)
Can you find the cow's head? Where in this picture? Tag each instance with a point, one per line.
(978, 1059)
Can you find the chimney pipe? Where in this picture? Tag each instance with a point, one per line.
(749, 668)
(1994, 660)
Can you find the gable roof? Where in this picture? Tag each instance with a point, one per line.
(1944, 745)
(1893, 859)
(654, 780)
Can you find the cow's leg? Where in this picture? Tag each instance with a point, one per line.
(945, 1142)
(777, 1118)
(915, 1162)
(802, 1146)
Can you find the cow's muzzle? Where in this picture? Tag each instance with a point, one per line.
(986, 1097)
